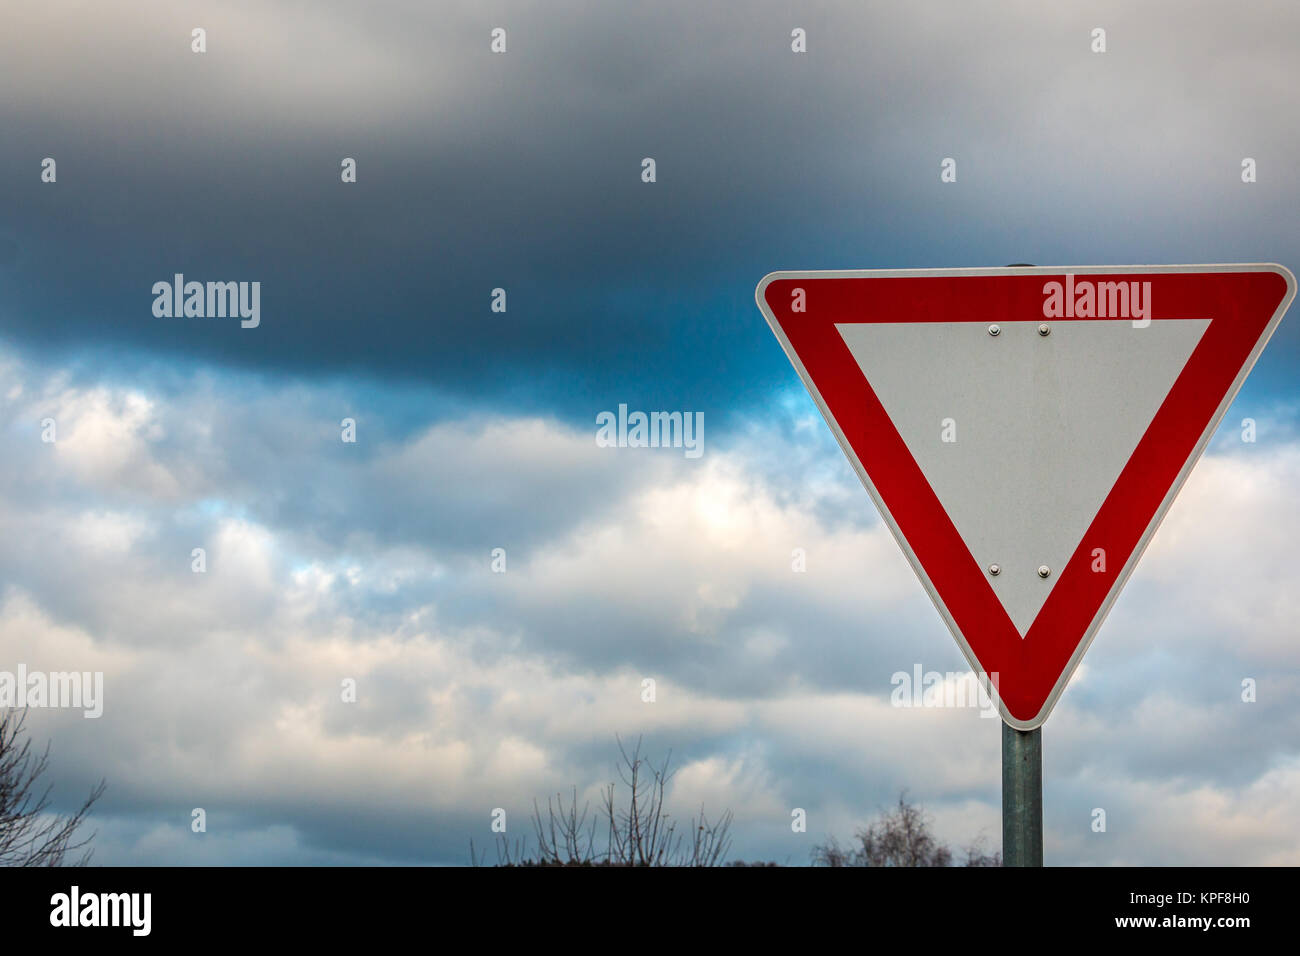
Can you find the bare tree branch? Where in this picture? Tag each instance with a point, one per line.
(31, 835)
(900, 837)
(639, 832)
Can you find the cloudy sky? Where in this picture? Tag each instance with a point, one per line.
(372, 560)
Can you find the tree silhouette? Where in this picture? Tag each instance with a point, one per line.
(637, 831)
(29, 834)
(900, 837)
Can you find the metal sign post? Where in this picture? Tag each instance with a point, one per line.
(1022, 796)
(1022, 782)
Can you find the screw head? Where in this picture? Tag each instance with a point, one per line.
(995, 569)
(995, 329)
(1044, 571)
(1044, 329)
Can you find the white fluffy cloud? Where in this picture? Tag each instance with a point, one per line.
(479, 690)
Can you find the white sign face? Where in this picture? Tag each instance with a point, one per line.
(1036, 444)
(1023, 430)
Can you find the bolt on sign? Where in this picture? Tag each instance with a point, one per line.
(1024, 430)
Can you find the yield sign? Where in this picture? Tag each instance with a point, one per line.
(1024, 430)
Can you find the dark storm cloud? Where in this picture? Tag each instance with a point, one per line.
(522, 171)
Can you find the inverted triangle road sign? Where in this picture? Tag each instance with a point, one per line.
(1024, 430)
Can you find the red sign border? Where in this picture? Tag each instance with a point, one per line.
(1229, 348)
